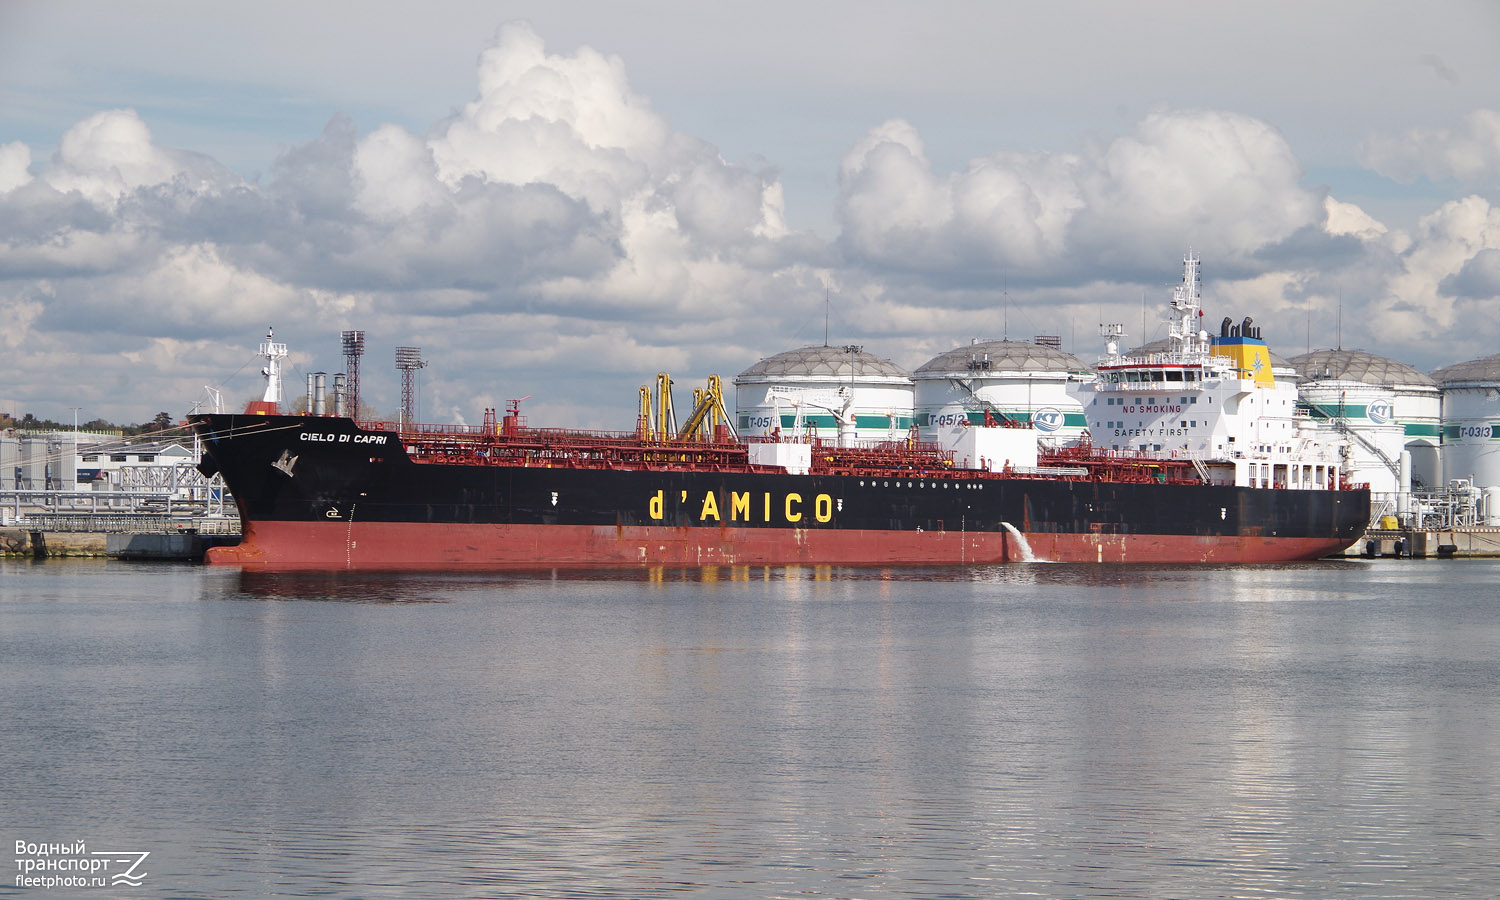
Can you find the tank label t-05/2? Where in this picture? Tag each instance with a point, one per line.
(746, 506)
(344, 438)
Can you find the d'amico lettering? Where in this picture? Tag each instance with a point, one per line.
(750, 507)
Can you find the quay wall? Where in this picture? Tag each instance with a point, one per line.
(20, 542)
(1481, 542)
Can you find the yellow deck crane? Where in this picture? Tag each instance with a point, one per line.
(708, 414)
(657, 420)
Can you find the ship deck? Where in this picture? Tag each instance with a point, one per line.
(511, 444)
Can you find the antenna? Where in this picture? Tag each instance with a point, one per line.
(847, 422)
(1340, 331)
(354, 348)
(1005, 303)
(1111, 332)
(408, 361)
(826, 301)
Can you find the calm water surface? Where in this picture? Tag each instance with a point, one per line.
(1328, 730)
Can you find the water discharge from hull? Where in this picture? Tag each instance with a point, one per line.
(1026, 554)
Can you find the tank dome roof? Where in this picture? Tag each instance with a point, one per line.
(1004, 356)
(1357, 365)
(824, 362)
(1485, 370)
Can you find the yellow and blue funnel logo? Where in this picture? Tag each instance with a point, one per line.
(1250, 355)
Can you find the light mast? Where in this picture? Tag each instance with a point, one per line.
(274, 353)
(1187, 305)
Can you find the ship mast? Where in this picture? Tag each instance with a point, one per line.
(1187, 303)
(274, 353)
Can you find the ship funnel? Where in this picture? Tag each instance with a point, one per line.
(319, 404)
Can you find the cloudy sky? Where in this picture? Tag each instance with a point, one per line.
(560, 200)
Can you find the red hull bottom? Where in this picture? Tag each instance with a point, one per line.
(298, 545)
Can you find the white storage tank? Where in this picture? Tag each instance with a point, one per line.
(1382, 404)
(1007, 381)
(831, 393)
(1471, 426)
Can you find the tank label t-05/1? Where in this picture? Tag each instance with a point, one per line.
(746, 506)
(345, 438)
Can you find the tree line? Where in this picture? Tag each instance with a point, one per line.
(159, 423)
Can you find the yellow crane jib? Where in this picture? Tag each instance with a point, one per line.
(645, 423)
(708, 414)
(666, 419)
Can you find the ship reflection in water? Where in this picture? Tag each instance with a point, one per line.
(1303, 730)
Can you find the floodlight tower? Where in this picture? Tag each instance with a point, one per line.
(354, 348)
(408, 361)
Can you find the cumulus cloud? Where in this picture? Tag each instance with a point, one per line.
(1349, 219)
(556, 191)
(1225, 183)
(1468, 152)
(15, 161)
(395, 176)
(556, 229)
(183, 284)
(1010, 209)
(110, 154)
(1428, 299)
(1478, 279)
(568, 121)
(670, 204)
(1089, 228)
(106, 155)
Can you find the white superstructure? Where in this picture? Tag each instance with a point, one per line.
(1217, 401)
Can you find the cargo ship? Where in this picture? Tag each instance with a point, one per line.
(1194, 455)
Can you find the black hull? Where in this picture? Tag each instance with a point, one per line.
(316, 481)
